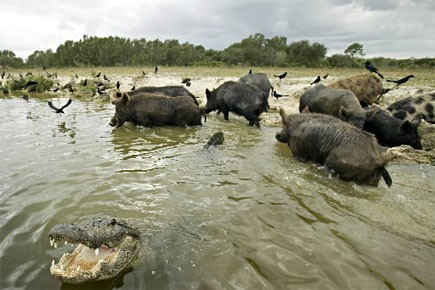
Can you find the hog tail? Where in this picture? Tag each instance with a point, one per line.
(386, 176)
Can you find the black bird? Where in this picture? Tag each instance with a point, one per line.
(59, 111)
(29, 84)
(216, 139)
(48, 74)
(188, 84)
(43, 67)
(250, 71)
(3, 74)
(317, 80)
(186, 80)
(281, 76)
(277, 95)
(76, 76)
(156, 69)
(325, 76)
(26, 97)
(144, 73)
(133, 88)
(118, 84)
(98, 75)
(372, 68)
(401, 81)
(106, 78)
(85, 82)
(100, 91)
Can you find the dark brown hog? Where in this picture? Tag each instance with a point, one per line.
(391, 131)
(340, 103)
(156, 110)
(260, 80)
(353, 154)
(242, 99)
(169, 91)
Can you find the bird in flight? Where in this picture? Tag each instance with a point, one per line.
(317, 80)
(372, 68)
(281, 76)
(401, 81)
(59, 111)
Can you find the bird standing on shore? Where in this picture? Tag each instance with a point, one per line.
(317, 80)
(277, 95)
(372, 68)
(401, 81)
(59, 111)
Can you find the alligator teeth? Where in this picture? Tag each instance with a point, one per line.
(97, 251)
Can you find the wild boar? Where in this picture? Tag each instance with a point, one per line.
(367, 87)
(351, 153)
(409, 108)
(242, 99)
(260, 80)
(170, 91)
(391, 131)
(156, 110)
(340, 103)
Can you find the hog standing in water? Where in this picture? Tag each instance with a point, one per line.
(391, 131)
(261, 81)
(241, 99)
(350, 152)
(156, 110)
(169, 91)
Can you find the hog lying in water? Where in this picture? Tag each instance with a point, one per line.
(156, 110)
(350, 152)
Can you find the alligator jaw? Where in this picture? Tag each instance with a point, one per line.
(86, 264)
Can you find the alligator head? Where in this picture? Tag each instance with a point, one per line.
(106, 247)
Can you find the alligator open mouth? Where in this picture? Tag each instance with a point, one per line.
(92, 259)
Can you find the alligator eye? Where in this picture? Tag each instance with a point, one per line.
(113, 222)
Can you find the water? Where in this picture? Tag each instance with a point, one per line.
(246, 215)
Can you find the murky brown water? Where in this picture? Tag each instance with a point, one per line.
(243, 216)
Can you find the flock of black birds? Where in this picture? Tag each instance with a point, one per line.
(100, 89)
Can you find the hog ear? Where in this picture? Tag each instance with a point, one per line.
(115, 97)
(306, 110)
(207, 93)
(284, 117)
(343, 113)
(125, 98)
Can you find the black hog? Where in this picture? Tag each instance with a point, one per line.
(260, 80)
(169, 91)
(156, 110)
(409, 108)
(242, 99)
(353, 154)
(340, 103)
(391, 131)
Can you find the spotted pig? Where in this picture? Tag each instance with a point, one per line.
(367, 87)
(408, 109)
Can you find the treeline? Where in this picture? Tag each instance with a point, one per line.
(255, 50)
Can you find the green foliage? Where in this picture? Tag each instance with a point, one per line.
(8, 59)
(255, 50)
(43, 84)
(354, 49)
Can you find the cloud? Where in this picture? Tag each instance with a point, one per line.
(390, 28)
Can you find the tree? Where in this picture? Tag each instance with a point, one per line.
(354, 49)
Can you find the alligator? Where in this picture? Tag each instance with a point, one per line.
(106, 247)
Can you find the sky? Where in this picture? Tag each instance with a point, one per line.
(385, 28)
